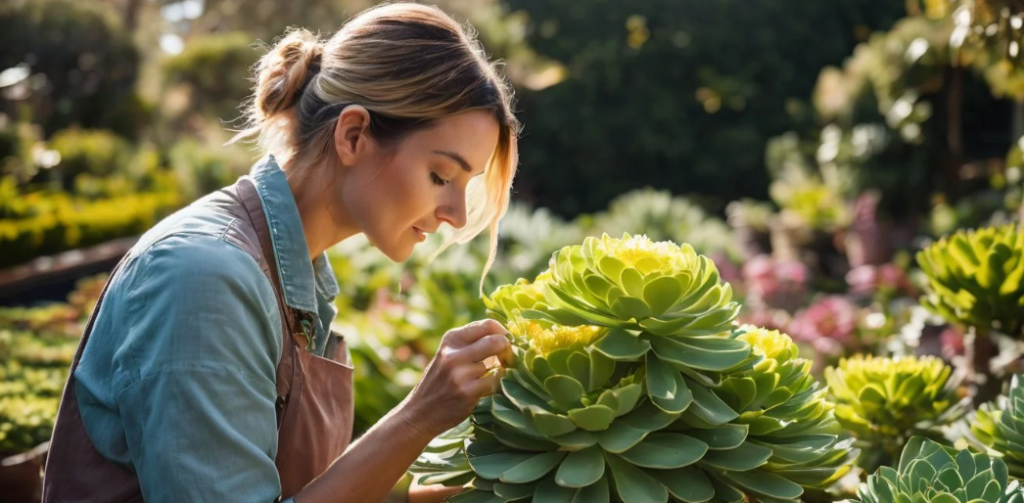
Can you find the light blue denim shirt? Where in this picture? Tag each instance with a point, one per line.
(178, 380)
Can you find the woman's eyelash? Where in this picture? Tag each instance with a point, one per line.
(437, 179)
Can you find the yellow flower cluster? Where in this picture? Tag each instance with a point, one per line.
(545, 338)
(769, 343)
(646, 255)
(860, 369)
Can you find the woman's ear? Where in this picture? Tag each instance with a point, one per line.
(351, 138)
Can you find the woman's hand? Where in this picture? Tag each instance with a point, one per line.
(457, 377)
(451, 387)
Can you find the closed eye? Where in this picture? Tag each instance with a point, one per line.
(438, 180)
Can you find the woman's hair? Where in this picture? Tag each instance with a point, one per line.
(409, 65)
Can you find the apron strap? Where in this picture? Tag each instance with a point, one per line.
(287, 368)
(73, 466)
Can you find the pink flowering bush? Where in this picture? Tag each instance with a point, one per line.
(828, 325)
(887, 279)
(775, 283)
(951, 341)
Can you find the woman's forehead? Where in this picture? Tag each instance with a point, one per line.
(467, 139)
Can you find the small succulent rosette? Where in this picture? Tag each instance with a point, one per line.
(999, 427)
(661, 303)
(885, 401)
(976, 278)
(637, 284)
(931, 473)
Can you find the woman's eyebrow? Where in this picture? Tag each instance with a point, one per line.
(457, 158)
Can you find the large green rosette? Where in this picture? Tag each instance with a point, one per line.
(621, 408)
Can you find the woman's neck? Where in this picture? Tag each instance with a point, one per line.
(325, 221)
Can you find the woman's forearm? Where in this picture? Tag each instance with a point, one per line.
(371, 466)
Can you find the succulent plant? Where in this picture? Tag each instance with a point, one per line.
(883, 402)
(637, 284)
(563, 412)
(564, 384)
(765, 431)
(999, 426)
(789, 421)
(931, 473)
(511, 301)
(598, 409)
(975, 278)
(814, 202)
(659, 301)
(25, 422)
(37, 345)
(29, 395)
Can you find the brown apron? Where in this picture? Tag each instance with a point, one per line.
(314, 394)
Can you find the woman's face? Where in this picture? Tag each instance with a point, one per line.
(398, 195)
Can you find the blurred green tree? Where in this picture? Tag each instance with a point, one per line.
(677, 95)
(261, 19)
(79, 62)
(215, 68)
(914, 116)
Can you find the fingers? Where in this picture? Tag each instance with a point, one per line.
(472, 332)
(487, 384)
(508, 357)
(485, 347)
(470, 371)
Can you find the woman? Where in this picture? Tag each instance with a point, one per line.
(205, 371)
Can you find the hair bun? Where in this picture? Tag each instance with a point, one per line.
(284, 71)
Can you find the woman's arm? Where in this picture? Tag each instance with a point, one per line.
(195, 386)
(372, 465)
(194, 373)
(452, 385)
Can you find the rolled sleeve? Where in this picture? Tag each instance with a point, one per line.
(196, 377)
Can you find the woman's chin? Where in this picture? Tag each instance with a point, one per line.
(399, 253)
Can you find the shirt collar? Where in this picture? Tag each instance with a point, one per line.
(300, 277)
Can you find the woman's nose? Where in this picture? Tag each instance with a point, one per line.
(454, 212)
